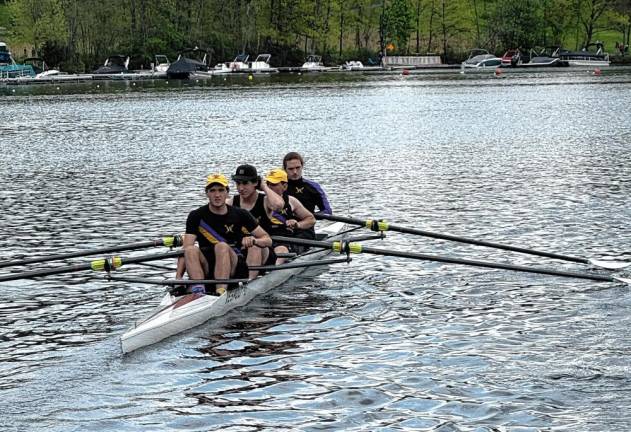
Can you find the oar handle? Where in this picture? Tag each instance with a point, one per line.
(378, 225)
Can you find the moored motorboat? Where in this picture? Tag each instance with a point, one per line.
(586, 57)
(547, 57)
(481, 59)
(161, 64)
(190, 62)
(261, 65)
(176, 314)
(542, 57)
(239, 64)
(511, 58)
(114, 64)
(9, 68)
(313, 64)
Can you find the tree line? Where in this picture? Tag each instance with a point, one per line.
(79, 34)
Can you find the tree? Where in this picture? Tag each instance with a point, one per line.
(38, 21)
(396, 23)
(518, 24)
(588, 13)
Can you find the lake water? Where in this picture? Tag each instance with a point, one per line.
(535, 159)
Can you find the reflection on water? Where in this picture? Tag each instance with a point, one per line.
(533, 159)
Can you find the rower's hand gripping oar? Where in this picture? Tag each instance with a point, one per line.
(168, 241)
(376, 225)
(103, 264)
(348, 248)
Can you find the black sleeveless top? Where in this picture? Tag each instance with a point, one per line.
(279, 218)
(258, 211)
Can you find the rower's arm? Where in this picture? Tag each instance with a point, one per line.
(273, 201)
(262, 238)
(189, 240)
(306, 219)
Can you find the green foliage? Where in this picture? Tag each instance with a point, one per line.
(518, 24)
(85, 32)
(396, 24)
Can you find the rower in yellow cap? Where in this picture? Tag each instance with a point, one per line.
(288, 218)
(219, 230)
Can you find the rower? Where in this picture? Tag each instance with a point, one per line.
(288, 217)
(308, 192)
(219, 230)
(251, 199)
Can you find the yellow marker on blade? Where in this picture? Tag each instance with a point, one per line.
(116, 262)
(98, 265)
(355, 247)
(377, 225)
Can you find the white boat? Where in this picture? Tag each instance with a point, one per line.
(177, 314)
(161, 64)
(353, 65)
(239, 64)
(481, 59)
(585, 57)
(313, 64)
(261, 65)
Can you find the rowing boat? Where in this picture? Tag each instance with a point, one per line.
(176, 314)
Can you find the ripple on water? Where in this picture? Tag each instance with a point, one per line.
(378, 344)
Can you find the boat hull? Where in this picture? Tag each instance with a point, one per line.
(177, 314)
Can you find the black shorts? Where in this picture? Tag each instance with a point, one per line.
(241, 271)
(291, 248)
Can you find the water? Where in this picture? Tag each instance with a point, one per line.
(538, 160)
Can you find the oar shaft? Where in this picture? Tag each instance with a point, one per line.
(88, 266)
(487, 264)
(406, 230)
(105, 250)
(300, 264)
(356, 248)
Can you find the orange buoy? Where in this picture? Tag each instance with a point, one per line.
(406, 72)
(498, 72)
(597, 71)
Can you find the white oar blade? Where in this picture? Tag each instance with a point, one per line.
(609, 265)
(623, 280)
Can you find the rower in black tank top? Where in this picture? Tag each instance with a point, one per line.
(258, 211)
(278, 219)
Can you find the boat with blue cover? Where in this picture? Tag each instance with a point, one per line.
(9, 68)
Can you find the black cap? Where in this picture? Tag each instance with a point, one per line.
(245, 173)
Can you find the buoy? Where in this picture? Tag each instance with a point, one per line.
(406, 72)
(498, 72)
(250, 77)
(597, 71)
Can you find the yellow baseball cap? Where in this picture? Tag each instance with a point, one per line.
(276, 176)
(216, 179)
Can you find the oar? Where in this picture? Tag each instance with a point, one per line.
(169, 241)
(103, 264)
(345, 247)
(377, 225)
